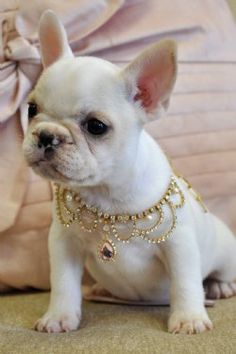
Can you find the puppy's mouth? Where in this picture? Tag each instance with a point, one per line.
(47, 169)
(51, 171)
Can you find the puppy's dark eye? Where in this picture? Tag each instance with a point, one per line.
(32, 110)
(95, 126)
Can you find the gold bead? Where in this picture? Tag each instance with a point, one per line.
(106, 228)
(68, 196)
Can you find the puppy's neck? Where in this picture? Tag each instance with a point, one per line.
(136, 186)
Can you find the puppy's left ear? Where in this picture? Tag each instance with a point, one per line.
(150, 78)
(53, 40)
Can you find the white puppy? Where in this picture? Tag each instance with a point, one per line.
(114, 184)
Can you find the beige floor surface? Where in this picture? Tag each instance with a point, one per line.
(111, 329)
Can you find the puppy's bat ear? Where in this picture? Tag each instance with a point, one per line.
(151, 76)
(53, 40)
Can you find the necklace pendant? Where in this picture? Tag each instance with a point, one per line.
(107, 250)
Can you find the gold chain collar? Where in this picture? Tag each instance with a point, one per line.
(71, 208)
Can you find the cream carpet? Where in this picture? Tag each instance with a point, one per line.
(111, 329)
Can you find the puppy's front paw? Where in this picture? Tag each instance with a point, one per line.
(58, 322)
(189, 323)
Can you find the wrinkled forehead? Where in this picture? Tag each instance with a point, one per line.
(72, 85)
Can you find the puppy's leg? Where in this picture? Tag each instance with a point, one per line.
(66, 263)
(188, 314)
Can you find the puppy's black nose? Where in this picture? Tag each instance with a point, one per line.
(45, 139)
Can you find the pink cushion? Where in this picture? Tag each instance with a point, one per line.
(199, 132)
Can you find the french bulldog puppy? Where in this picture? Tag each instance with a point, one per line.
(85, 133)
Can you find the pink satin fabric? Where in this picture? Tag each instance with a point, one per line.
(199, 132)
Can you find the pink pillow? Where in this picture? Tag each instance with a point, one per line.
(199, 133)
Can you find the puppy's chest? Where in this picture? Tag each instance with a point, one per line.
(119, 253)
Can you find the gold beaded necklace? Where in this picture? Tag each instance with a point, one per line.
(71, 208)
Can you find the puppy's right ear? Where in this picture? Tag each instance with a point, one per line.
(53, 40)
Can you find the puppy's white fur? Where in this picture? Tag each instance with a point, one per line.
(123, 171)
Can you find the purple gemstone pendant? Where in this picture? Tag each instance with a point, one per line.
(107, 251)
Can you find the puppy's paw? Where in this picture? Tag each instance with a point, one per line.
(218, 289)
(58, 322)
(189, 323)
